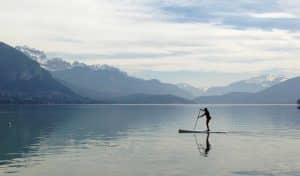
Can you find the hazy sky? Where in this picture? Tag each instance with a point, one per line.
(202, 42)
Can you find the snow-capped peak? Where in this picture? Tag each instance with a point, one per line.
(56, 64)
(33, 53)
(266, 79)
(78, 64)
(103, 67)
(95, 67)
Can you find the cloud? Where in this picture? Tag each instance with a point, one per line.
(231, 37)
(272, 15)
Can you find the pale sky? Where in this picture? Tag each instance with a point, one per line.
(201, 42)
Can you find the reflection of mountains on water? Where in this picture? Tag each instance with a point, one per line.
(63, 126)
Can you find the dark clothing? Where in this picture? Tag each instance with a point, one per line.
(207, 115)
(207, 120)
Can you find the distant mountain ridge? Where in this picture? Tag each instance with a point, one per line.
(286, 92)
(251, 85)
(104, 82)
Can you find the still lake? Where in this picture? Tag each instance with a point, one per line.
(135, 140)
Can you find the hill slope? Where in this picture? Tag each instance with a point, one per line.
(23, 80)
(285, 92)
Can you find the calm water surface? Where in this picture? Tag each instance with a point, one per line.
(134, 140)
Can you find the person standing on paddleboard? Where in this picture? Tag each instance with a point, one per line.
(207, 115)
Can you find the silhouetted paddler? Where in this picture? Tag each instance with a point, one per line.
(208, 117)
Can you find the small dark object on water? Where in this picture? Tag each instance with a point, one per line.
(9, 124)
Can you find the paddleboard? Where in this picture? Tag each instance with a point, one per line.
(196, 131)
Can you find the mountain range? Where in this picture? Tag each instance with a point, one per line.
(25, 78)
(103, 82)
(250, 85)
(106, 82)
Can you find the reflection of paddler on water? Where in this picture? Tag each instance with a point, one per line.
(203, 149)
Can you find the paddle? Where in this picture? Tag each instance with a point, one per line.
(197, 120)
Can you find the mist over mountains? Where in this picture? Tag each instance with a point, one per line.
(110, 84)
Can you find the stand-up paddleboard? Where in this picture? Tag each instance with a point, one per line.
(196, 131)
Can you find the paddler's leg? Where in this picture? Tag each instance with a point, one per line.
(207, 124)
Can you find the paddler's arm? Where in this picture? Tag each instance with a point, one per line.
(201, 115)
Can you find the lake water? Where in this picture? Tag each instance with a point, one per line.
(135, 140)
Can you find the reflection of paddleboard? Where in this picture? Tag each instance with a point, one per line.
(195, 131)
